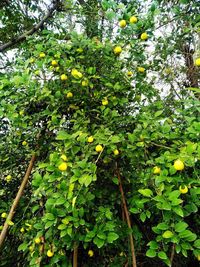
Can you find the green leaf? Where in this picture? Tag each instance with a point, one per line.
(62, 135)
(49, 216)
(23, 247)
(188, 235)
(167, 234)
(153, 245)
(158, 113)
(197, 243)
(151, 253)
(143, 216)
(99, 242)
(178, 211)
(181, 226)
(112, 237)
(162, 226)
(162, 255)
(145, 192)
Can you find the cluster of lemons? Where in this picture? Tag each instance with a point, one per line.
(50, 252)
(99, 149)
(179, 166)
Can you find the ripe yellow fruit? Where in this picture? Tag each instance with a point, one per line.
(69, 95)
(141, 69)
(133, 19)
(179, 165)
(129, 73)
(90, 139)
(54, 63)
(116, 152)
(24, 143)
(84, 83)
(117, 50)
(42, 55)
(4, 215)
(183, 189)
(197, 62)
(104, 102)
(144, 36)
(63, 166)
(63, 77)
(37, 240)
(156, 170)
(90, 253)
(50, 253)
(8, 178)
(76, 74)
(31, 248)
(22, 230)
(122, 23)
(99, 148)
(21, 112)
(198, 257)
(63, 157)
(31, 60)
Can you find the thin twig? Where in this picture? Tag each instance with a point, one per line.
(172, 254)
(33, 30)
(75, 255)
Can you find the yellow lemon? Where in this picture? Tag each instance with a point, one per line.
(104, 102)
(84, 83)
(4, 215)
(129, 73)
(183, 189)
(144, 36)
(24, 143)
(31, 248)
(90, 253)
(37, 240)
(116, 152)
(117, 50)
(99, 148)
(156, 170)
(133, 19)
(21, 112)
(63, 166)
(63, 157)
(63, 77)
(54, 63)
(31, 60)
(179, 165)
(69, 95)
(22, 230)
(42, 55)
(197, 62)
(141, 69)
(8, 178)
(90, 139)
(76, 74)
(50, 253)
(122, 23)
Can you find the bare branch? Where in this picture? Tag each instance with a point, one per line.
(33, 30)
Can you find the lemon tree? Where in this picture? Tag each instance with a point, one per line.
(116, 158)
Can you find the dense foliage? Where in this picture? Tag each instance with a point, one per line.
(111, 110)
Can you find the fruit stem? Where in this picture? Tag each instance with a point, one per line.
(16, 201)
(75, 255)
(134, 264)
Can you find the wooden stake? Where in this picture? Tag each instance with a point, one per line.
(16, 201)
(134, 264)
(75, 256)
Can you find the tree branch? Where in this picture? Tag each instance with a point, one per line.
(33, 30)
